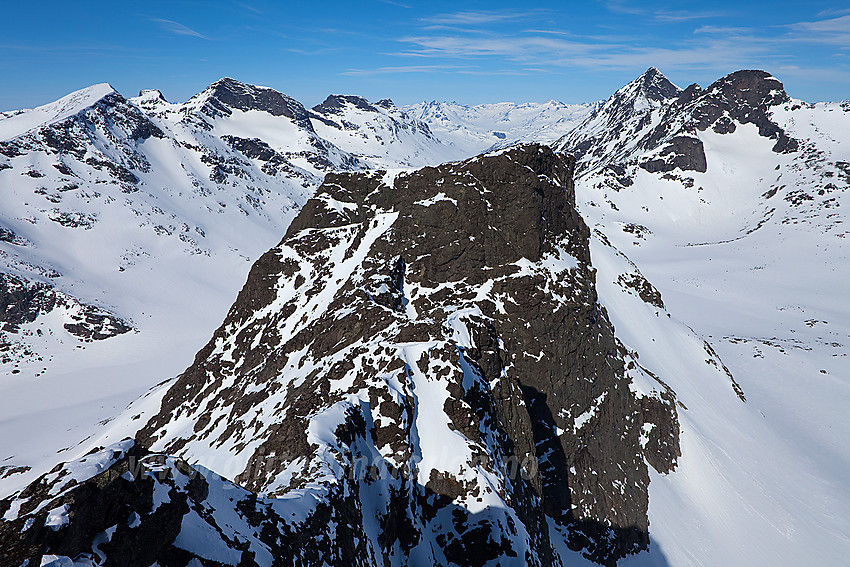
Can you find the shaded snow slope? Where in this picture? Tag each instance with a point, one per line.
(747, 247)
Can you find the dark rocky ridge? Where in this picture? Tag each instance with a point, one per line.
(22, 302)
(333, 103)
(682, 152)
(745, 96)
(541, 353)
(626, 119)
(142, 501)
(227, 94)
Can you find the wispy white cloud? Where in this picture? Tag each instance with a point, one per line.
(684, 16)
(834, 31)
(724, 30)
(249, 7)
(627, 8)
(516, 48)
(402, 69)
(840, 24)
(478, 17)
(714, 56)
(399, 4)
(459, 69)
(545, 47)
(818, 74)
(503, 72)
(832, 12)
(624, 7)
(479, 44)
(547, 50)
(179, 29)
(319, 51)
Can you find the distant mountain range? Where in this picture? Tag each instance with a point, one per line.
(527, 334)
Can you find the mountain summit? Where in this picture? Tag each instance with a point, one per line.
(228, 94)
(651, 114)
(653, 86)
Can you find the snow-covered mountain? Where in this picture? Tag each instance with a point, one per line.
(460, 389)
(463, 364)
(475, 129)
(140, 218)
(380, 134)
(730, 200)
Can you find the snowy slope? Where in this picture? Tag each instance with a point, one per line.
(148, 211)
(380, 134)
(751, 254)
(474, 129)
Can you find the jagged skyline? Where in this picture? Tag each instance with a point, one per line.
(486, 52)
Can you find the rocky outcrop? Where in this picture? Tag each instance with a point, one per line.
(745, 97)
(681, 152)
(22, 302)
(333, 104)
(428, 351)
(122, 506)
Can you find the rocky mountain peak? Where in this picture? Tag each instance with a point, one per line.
(228, 94)
(151, 101)
(649, 91)
(653, 122)
(613, 129)
(334, 104)
(753, 88)
(151, 95)
(746, 97)
(415, 343)
(655, 86)
(19, 123)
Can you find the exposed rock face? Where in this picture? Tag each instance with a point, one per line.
(333, 104)
(746, 97)
(122, 506)
(8, 235)
(681, 152)
(227, 94)
(429, 352)
(22, 302)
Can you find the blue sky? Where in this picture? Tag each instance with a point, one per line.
(472, 53)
